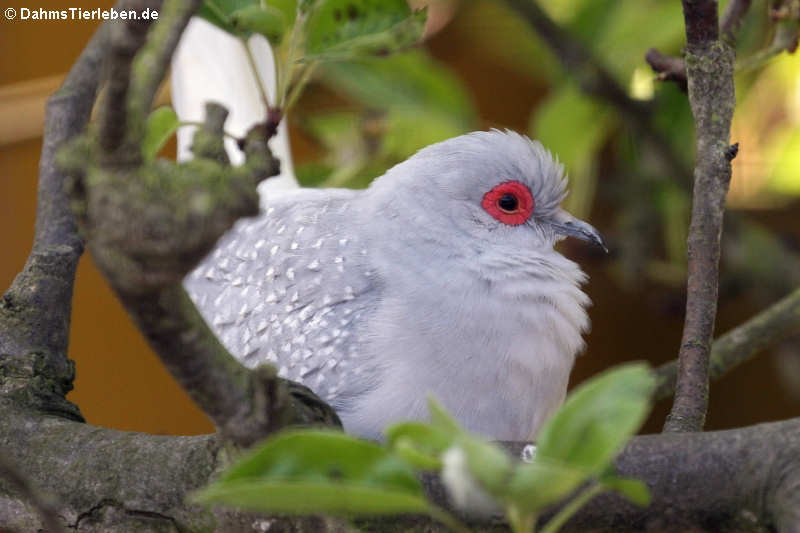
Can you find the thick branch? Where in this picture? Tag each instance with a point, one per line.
(107, 481)
(149, 223)
(736, 346)
(245, 405)
(709, 63)
(20, 485)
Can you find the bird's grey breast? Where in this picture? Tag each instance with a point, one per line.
(291, 287)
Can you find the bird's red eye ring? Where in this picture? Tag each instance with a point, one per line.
(510, 202)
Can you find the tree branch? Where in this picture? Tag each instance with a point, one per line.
(35, 310)
(667, 68)
(741, 343)
(127, 38)
(149, 223)
(104, 480)
(20, 485)
(709, 63)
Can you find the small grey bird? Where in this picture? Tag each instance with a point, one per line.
(440, 279)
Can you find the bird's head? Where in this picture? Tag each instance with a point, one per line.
(494, 186)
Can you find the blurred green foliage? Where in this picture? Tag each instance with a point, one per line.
(395, 106)
(304, 471)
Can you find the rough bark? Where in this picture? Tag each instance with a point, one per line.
(709, 68)
(102, 480)
(35, 310)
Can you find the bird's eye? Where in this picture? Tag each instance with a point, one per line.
(510, 202)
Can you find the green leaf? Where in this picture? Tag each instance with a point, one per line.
(598, 418)
(441, 419)
(323, 471)
(420, 444)
(265, 20)
(411, 80)
(242, 18)
(287, 7)
(329, 455)
(413, 455)
(543, 482)
(160, 126)
(218, 12)
(338, 29)
(633, 489)
(489, 464)
(311, 497)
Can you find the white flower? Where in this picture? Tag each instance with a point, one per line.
(464, 491)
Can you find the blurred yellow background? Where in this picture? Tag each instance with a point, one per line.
(121, 384)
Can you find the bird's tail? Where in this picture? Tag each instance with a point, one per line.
(211, 65)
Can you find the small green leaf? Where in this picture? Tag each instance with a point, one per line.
(287, 7)
(160, 126)
(598, 418)
(420, 444)
(489, 464)
(407, 449)
(265, 20)
(534, 486)
(339, 29)
(323, 471)
(411, 81)
(441, 419)
(633, 489)
(218, 12)
(317, 455)
(311, 497)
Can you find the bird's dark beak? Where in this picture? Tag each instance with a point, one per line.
(569, 226)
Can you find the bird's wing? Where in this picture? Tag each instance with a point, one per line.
(210, 65)
(290, 288)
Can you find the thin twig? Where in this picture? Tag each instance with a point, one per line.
(732, 19)
(126, 39)
(262, 90)
(667, 68)
(670, 68)
(151, 67)
(743, 342)
(565, 513)
(709, 63)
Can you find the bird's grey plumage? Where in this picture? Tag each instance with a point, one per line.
(376, 298)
